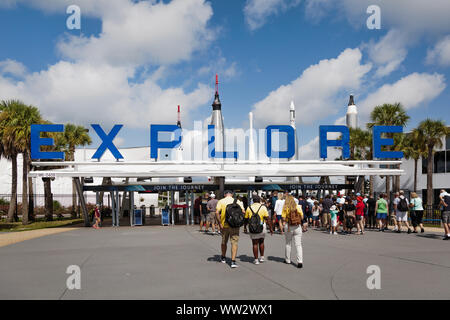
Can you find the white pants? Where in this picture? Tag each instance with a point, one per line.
(294, 236)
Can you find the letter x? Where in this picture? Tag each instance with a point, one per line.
(107, 141)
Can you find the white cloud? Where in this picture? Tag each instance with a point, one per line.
(143, 32)
(83, 93)
(440, 54)
(12, 67)
(388, 53)
(315, 91)
(414, 16)
(257, 11)
(95, 86)
(412, 91)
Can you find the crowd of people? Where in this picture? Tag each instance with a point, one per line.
(283, 213)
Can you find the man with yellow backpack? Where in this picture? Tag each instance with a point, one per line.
(292, 217)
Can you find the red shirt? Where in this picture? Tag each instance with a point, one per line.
(360, 208)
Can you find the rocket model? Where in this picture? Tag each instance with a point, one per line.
(251, 139)
(217, 121)
(352, 114)
(293, 125)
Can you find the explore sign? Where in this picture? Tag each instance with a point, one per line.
(155, 143)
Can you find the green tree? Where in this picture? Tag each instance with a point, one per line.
(389, 115)
(72, 137)
(10, 148)
(16, 128)
(432, 132)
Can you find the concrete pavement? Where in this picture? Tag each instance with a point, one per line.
(155, 262)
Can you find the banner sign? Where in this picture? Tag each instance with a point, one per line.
(156, 144)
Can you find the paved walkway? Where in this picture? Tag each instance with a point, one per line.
(7, 238)
(181, 263)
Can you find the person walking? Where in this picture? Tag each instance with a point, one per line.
(257, 218)
(211, 207)
(445, 202)
(401, 207)
(204, 213)
(416, 213)
(228, 232)
(360, 208)
(349, 209)
(97, 218)
(197, 215)
(326, 217)
(316, 209)
(382, 210)
(278, 209)
(334, 219)
(292, 216)
(371, 214)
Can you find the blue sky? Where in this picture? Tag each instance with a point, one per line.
(133, 62)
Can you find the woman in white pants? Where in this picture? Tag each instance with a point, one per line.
(292, 220)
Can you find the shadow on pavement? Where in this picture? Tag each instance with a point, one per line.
(430, 236)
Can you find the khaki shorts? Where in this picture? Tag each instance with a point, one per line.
(232, 234)
(326, 218)
(212, 218)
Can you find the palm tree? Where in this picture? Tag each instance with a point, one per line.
(72, 137)
(17, 128)
(389, 115)
(432, 132)
(413, 147)
(10, 149)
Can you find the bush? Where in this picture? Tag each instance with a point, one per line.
(56, 205)
(4, 202)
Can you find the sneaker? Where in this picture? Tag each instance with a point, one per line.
(409, 231)
(398, 231)
(446, 238)
(261, 259)
(223, 260)
(233, 264)
(335, 233)
(331, 232)
(256, 261)
(300, 265)
(422, 230)
(288, 262)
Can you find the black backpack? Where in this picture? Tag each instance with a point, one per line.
(254, 223)
(234, 215)
(402, 205)
(447, 202)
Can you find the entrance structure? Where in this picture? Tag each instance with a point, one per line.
(226, 169)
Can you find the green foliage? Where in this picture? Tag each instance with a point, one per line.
(56, 205)
(3, 202)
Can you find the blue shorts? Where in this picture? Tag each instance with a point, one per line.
(278, 217)
(381, 215)
(315, 218)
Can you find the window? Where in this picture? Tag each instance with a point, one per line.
(447, 143)
(439, 162)
(448, 161)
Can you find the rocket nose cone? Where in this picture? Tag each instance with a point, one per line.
(292, 105)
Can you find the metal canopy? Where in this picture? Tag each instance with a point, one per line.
(168, 169)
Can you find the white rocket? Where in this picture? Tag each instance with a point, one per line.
(293, 125)
(217, 121)
(352, 114)
(251, 139)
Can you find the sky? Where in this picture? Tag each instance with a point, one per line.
(133, 62)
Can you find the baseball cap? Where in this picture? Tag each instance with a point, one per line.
(212, 195)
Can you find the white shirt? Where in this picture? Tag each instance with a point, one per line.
(397, 201)
(340, 200)
(443, 194)
(279, 204)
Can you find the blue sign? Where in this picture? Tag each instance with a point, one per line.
(165, 217)
(156, 144)
(378, 142)
(290, 152)
(107, 141)
(344, 143)
(138, 217)
(37, 141)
